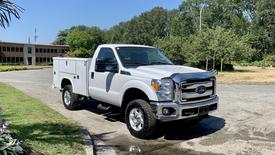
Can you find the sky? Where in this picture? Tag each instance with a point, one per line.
(51, 16)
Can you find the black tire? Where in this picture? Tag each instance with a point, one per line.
(73, 101)
(150, 123)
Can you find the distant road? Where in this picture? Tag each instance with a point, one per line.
(244, 123)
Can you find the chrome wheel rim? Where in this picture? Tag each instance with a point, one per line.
(136, 119)
(67, 97)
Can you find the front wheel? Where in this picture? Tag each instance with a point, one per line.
(140, 119)
(70, 100)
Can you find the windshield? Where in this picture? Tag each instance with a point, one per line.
(141, 56)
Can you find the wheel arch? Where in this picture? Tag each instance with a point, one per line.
(136, 90)
(66, 81)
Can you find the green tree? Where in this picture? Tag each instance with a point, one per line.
(79, 39)
(80, 52)
(180, 23)
(263, 28)
(7, 10)
(173, 48)
(61, 36)
(143, 29)
(219, 46)
(97, 37)
(227, 14)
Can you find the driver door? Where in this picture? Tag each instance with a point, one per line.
(104, 82)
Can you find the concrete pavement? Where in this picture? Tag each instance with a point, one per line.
(243, 124)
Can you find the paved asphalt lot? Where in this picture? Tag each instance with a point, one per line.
(244, 123)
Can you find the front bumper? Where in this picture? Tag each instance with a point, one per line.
(184, 111)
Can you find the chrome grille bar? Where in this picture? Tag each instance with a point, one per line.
(188, 90)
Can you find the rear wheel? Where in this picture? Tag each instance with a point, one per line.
(70, 100)
(140, 119)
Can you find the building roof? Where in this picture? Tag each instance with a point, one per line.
(48, 45)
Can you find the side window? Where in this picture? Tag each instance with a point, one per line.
(107, 55)
(106, 61)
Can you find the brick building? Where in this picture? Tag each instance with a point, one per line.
(29, 54)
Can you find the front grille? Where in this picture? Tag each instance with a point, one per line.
(190, 93)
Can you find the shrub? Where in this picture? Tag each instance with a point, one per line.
(80, 52)
(269, 61)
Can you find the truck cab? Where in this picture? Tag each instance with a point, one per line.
(141, 81)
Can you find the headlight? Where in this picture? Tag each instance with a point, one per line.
(164, 89)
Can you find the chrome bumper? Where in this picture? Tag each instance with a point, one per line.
(184, 111)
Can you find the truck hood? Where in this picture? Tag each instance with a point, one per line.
(161, 71)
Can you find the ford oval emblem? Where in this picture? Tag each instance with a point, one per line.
(200, 89)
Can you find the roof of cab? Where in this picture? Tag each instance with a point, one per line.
(123, 45)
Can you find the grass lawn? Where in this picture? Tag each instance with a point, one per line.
(13, 68)
(44, 129)
(249, 74)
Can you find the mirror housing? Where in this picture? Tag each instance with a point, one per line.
(177, 61)
(103, 66)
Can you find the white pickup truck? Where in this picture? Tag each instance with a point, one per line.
(141, 81)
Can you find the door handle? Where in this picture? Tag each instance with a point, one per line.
(92, 75)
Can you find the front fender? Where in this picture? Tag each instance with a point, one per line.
(141, 86)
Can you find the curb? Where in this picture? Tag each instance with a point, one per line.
(93, 145)
(89, 146)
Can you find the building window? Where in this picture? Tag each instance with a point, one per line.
(16, 49)
(29, 50)
(21, 49)
(4, 49)
(12, 49)
(36, 50)
(21, 60)
(8, 49)
(44, 50)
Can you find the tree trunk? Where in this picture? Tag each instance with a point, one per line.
(213, 67)
(221, 64)
(206, 64)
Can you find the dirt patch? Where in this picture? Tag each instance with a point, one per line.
(248, 74)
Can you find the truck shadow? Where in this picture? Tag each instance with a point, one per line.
(177, 130)
(164, 143)
(186, 130)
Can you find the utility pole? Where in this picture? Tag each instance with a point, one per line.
(35, 36)
(201, 9)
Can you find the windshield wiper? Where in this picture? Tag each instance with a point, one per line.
(160, 62)
(136, 64)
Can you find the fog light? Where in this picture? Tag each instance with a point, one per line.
(167, 111)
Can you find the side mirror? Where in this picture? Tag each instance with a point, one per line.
(177, 61)
(103, 66)
(100, 65)
(112, 67)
